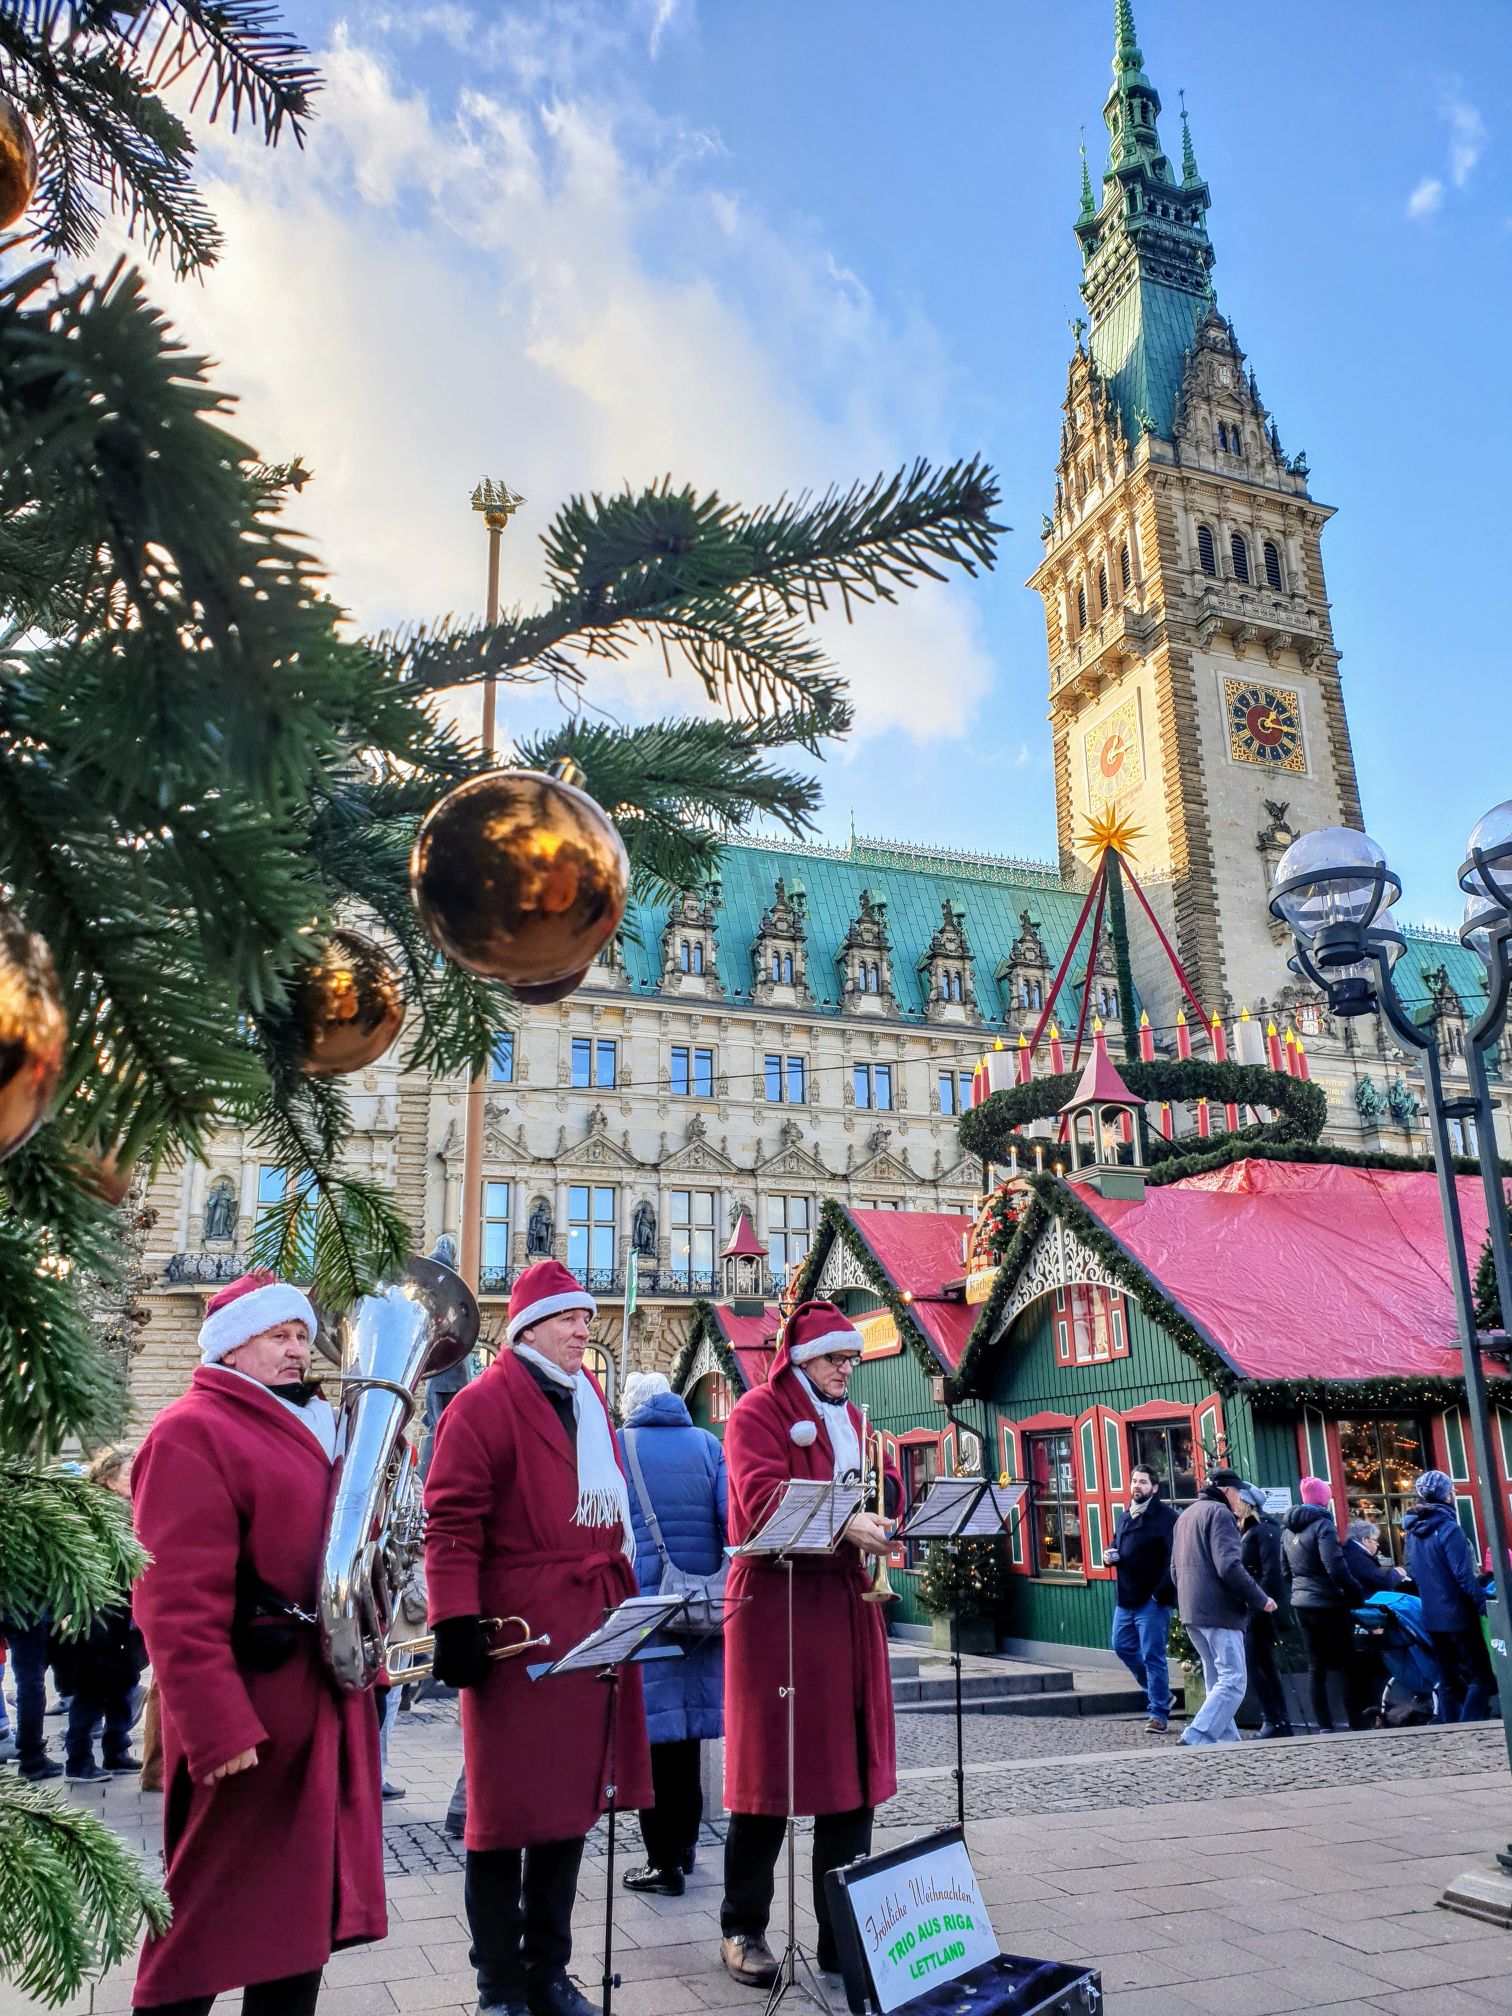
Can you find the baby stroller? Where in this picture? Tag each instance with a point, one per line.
(1389, 1630)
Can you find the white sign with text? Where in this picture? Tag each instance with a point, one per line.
(920, 1922)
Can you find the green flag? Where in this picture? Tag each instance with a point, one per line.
(632, 1282)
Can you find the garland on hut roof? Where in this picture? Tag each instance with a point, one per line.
(836, 1220)
(705, 1324)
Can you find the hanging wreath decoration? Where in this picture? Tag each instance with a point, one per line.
(1298, 1107)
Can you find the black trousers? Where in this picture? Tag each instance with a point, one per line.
(1329, 1638)
(751, 1850)
(294, 1995)
(91, 1704)
(669, 1827)
(28, 1663)
(519, 1911)
(1260, 1651)
(1468, 1682)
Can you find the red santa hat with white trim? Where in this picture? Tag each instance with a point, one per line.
(814, 1330)
(545, 1289)
(243, 1309)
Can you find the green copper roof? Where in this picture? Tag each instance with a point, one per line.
(913, 881)
(1427, 951)
(1145, 250)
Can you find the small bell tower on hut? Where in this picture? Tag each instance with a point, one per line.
(1101, 1127)
(742, 1268)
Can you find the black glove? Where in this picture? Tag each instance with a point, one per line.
(461, 1658)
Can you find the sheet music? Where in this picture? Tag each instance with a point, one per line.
(964, 1508)
(809, 1518)
(621, 1634)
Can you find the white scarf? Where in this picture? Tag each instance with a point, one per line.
(602, 1497)
(316, 1414)
(841, 1430)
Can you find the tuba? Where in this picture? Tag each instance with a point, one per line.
(421, 1323)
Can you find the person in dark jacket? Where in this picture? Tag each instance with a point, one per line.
(1260, 1551)
(1141, 1553)
(1215, 1593)
(1323, 1593)
(682, 1470)
(1441, 1563)
(100, 1670)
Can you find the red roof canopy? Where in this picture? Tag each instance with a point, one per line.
(744, 1245)
(1100, 1083)
(919, 1251)
(752, 1339)
(1305, 1270)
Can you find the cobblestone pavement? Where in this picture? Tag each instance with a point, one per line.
(1276, 1878)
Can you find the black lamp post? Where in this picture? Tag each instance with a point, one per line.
(1334, 890)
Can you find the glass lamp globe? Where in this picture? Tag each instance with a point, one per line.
(1482, 918)
(1384, 934)
(1492, 878)
(1337, 879)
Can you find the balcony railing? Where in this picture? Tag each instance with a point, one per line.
(203, 1267)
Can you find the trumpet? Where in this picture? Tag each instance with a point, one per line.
(881, 1590)
(410, 1659)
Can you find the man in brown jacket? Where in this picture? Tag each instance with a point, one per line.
(1214, 1594)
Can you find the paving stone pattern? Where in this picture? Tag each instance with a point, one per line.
(1282, 1879)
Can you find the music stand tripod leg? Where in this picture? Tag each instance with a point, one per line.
(788, 1975)
(611, 1790)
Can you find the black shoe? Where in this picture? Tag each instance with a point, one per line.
(44, 1767)
(510, 2008)
(87, 1773)
(657, 1882)
(122, 1766)
(560, 1997)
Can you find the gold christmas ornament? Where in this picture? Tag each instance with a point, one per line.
(520, 877)
(549, 990)
(106, 1177)
(33, 1033)
(349, 1005)
(18, 163)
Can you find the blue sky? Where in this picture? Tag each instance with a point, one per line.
(786, 244)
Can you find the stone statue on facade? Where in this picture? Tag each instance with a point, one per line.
(220, 1209)
(539, 1228)
(643, 1231)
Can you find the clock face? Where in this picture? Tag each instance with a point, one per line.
(1264, 725)
(1112, 753)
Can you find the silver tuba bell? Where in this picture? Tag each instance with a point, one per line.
(414, 1326)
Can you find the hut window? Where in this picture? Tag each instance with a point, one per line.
(1382, 1457)
(1057, 1516)
(1164, 1448)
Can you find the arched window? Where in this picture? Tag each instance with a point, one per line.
(1223, 435)
(1126, 566)
(1207, 553)
(787, 968)
(1081, 605)
(685, 957)
(697, 957)
(1102, 589)
(1241, 557)
(1236, 442)
(1272, 566)
(776, 965)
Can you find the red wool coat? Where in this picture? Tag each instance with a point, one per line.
(271, 1869)
(500, 1542)
(839, 1643)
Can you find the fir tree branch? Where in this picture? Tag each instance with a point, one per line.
(67, 1550)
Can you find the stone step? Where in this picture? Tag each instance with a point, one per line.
(937, 1690)
(1066, 1701)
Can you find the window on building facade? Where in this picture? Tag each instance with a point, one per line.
(789, 1226)
(1207, 553)
(1125, 566)
(1240, 553)
(1091, 1325)
(590, 1233)
(1081, 605)
(1383, 1455)
(1165, 1448)
(1057, 1516)
(501, 1064)
(692, 1072)
(597, 1361)
(1272, 566)
(690, 956)
(782, 968)
(272, 1190)
(595, 1061)
(1223, 435)
(691, 1215)
(496, 1235)
(787, 1080)
(1031, 993)
(873, 1085)
(955, 1091)
(1102, 589)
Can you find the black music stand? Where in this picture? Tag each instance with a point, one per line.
(954, 1509)
(619, 1641)
(809, 1518)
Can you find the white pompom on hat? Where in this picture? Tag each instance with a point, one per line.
(545, 1289)
(243, 1309)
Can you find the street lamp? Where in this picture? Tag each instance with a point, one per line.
(1334, 891)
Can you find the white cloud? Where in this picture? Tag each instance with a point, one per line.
(1426, 198)
(1467, 143)
(555, 287)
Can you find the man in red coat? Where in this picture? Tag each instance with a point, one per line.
(800, 1425)
(272, 1818)
(527, 1516)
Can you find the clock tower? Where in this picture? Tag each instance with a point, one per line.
(1194, 680)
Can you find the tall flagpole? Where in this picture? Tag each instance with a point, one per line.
(498, 504)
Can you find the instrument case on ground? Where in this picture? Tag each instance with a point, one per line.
(1007, 1985)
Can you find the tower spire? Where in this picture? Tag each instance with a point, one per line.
(1189, 176)
(1088, 207)
(1126, 54)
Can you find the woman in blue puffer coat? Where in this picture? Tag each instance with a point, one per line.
(684, 1472)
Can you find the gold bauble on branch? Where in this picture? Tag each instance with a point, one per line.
(348, 1004)
(33, 1032)
(18, 163)
(542, 996)
(520, 877)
